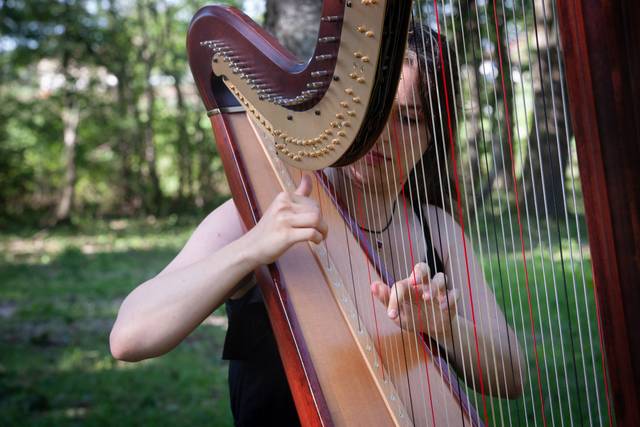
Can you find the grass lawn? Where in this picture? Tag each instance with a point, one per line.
(59, 294)
(60, 291)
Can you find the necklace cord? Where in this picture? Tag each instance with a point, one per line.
(386, 227)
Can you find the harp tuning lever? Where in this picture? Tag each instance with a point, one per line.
(335, 18)
(328, 39)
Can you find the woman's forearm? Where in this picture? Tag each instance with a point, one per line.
(161, 312)
(500, 360)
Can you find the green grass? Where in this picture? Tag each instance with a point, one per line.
(59, 293)
(564, 321)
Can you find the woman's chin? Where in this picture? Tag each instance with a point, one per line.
(355, 176)
(363, 180)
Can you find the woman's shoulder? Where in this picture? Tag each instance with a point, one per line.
(438, 217)
(445, 230)
(221, 227)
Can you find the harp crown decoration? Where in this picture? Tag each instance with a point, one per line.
(325, 120)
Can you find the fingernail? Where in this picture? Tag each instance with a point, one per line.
(392, 313)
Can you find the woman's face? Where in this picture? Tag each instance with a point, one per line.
(385, 168)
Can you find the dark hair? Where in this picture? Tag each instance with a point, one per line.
(425, 181)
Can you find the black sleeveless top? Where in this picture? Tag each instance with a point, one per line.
(258, 388)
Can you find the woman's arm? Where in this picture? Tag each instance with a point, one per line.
(161, 312)
(500, 355)
(440, 306)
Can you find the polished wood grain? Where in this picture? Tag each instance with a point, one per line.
(304, 303)
(601, 42)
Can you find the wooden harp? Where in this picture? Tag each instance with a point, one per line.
(273, 115)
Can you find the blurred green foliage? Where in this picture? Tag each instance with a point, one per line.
(119, 66)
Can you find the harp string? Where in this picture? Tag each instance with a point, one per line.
(318, 184)
(487, 228)
(455, 349)
(450, 235)
(369, 220)
(412, 142)
(400, 249)
(460, 214)
(355, 207)
(545, 285)
(473, 198)
(492, 277)
(437, 216)
(527, 216)
(461, 169)
(430, 90)
(353, 210)
(509, 216)
(373, 308)
(501, 258)
(517, 201)
(477, 222)
(536, 281)
(390, 220)
(586, 382)
(558, 232)
(564, 198)
(384, 208)
(402, 178)
(559, 320)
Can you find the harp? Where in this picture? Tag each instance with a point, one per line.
(273, 116)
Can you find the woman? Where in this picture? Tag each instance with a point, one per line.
(216, 264)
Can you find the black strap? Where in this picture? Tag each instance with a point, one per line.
(433, 259)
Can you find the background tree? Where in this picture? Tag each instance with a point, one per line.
(295, 23)
(100, 116)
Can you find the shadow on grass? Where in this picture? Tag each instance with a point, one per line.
(55, 365)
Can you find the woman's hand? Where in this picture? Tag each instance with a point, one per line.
(419, 302)
(291, 218)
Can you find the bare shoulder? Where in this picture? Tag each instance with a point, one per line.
(223, 223)
(445, 231)
(221, 227)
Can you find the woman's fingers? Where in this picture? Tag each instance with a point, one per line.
(304, 188)
(381, 292)
(305, 235)
(302, 193)
(398, 295)
(436, 287)
(439, 282)
(421, 273)
(312, 219)
(449, 300)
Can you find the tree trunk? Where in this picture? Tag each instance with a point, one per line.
(208, 186)
(295, 23)
(70, 120)
(148, 56)
(549, 148)
(183, 144)
(123, 148)
(153, 203)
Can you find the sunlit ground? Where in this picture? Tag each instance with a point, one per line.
(59, 294)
